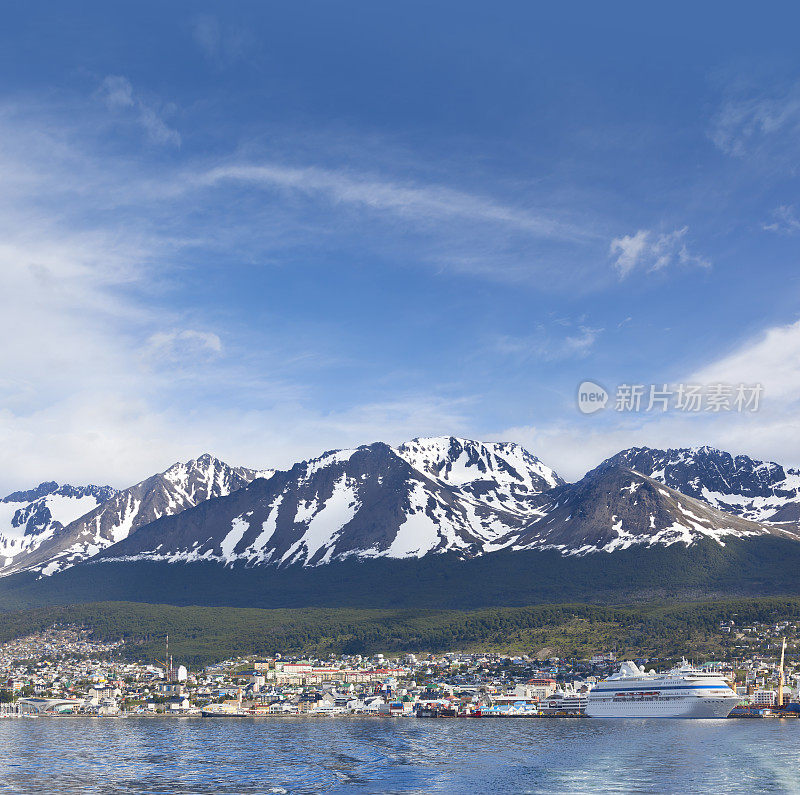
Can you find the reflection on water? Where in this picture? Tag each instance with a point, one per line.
(297, 755)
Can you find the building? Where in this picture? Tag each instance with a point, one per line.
(536, 689)
(765, 698)
(100, 693)
(303, 673)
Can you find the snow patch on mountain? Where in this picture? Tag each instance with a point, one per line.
(331, 518)
(268, 528)
(228, 544)
(416, 536)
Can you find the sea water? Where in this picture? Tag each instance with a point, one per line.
(400, 755)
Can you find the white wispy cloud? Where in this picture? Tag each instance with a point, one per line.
(421, 201)
(754, 122)
(92, 390)
(183, 345)
(653, 251)
(221, 43)
(103, 376)
(785, 221)
(118, 94)
(546, 345)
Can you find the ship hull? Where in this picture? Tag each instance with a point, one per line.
(697, 707)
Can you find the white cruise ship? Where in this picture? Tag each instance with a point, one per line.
(683, 692)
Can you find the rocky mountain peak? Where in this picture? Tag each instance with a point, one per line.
(615, 507)
(759, 490)
(29, 518)
(183, 485)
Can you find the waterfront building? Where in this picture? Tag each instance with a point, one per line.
(765, 698)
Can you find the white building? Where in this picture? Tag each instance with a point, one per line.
(765, 698)
(535, 689)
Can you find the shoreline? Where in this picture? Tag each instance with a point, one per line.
(213, 718)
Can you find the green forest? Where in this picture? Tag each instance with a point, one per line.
(202, 635)
(763, 567)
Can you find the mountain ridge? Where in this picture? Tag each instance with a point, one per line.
(759, 490)
(427, 497)
(369, 501)
(615, 507)
(182, 485)
(30, 517)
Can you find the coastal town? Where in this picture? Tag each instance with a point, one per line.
(65, 671)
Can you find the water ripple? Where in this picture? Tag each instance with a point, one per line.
(150, 756)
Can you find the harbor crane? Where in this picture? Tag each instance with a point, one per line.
(781, 676)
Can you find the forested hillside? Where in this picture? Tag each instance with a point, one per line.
(765, 566)
(200, 635)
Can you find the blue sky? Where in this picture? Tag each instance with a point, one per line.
(269, 229)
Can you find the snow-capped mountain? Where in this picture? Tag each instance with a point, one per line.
(421, 498)
(501, 474)
(430, 496)
(29, 518)
(182, 486)
(425, 496)
(757, 490)
(614, 508)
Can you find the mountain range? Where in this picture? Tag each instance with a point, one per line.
(96, 518)
(432, 499)
(30, 518)
(425, 497)
(757, 490)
